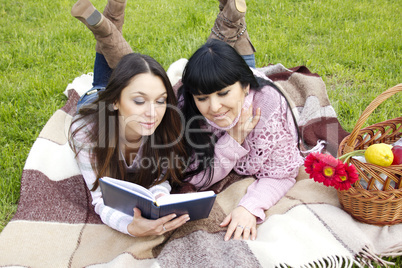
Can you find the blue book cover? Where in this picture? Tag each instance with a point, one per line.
(124, 196)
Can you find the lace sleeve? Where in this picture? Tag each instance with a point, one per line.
(274, 152)
(274, 161)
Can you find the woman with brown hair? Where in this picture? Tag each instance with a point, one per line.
(127, 127)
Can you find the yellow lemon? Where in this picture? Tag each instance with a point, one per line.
(379, 154)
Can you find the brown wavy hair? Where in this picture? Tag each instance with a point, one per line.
(104, 130)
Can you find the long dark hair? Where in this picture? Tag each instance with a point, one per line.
(214, 66)
(104, 130)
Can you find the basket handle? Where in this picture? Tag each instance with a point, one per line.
(349, 146)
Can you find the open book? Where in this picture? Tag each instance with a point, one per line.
(124, 196)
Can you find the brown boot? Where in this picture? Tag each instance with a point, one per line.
(86, 13)
(114, 11)
(243, 45)
(111, 43)
(222, 4)
(230, 26)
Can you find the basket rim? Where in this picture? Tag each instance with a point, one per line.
(343, 143)
(351, 138)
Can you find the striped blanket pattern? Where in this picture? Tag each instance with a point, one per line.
(55, 224)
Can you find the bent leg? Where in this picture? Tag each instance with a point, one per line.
(249, 59)
(114, 11)
(102, 71)
(230, 26)
(111, 42)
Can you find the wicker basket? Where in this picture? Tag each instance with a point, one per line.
(380, 201)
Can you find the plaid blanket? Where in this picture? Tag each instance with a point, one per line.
(56, 226)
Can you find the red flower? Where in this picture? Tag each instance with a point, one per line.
(310, 162)
(330, 171)
(345, 182)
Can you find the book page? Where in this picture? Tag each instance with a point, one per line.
(131, 187)
(177, 198)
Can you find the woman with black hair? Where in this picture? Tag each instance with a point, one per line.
(239, 121)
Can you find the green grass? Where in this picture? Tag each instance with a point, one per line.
(354, 45)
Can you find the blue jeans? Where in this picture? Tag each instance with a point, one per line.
(249, 59)
(102, 73)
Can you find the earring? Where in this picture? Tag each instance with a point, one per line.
(246, 90)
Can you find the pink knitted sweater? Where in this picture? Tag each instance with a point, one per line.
(269, 153)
